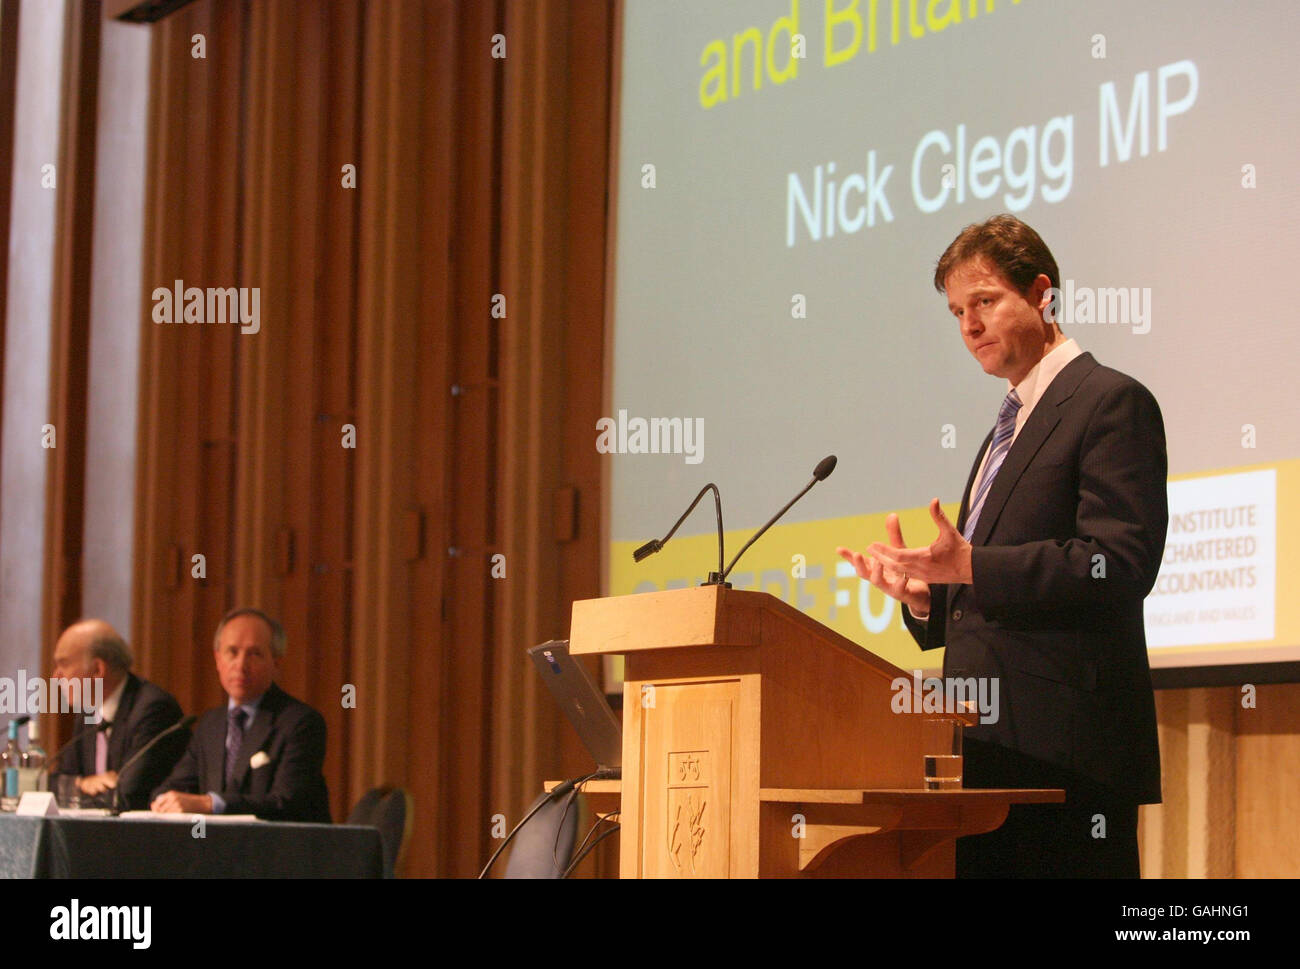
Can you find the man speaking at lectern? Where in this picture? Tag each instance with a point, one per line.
(1041, 582)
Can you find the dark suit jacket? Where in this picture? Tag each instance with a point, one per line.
(1066, 548)
(144, 711)
(288, 787)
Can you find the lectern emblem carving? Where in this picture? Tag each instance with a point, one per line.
(688, 797)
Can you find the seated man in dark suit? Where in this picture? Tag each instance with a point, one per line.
(133, 711)
(262, 751)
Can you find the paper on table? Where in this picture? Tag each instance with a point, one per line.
(154, 816)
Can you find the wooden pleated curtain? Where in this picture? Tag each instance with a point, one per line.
(398, 463)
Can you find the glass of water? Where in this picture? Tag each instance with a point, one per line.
(66, 792)
(941, 745)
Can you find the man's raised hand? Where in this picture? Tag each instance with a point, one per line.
(893, 582)
(947, 559)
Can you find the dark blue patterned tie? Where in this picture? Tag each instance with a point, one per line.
(1001, 444)
(234, 740)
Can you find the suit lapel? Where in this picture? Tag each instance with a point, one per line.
(117, 738)
(970, 483)
(256, 735)
(213, 743)
(86, 753)
(1046, 415)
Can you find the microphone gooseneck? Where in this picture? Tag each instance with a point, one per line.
(820, 473)
(181, 724)
(655, 544)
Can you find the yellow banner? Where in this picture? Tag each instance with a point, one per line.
(797, 563)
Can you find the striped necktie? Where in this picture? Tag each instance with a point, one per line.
(1001, 444)
(234, 740)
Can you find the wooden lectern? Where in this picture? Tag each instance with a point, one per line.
(759, 743)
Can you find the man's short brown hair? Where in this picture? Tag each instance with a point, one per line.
(1011, 247)
(278, 640)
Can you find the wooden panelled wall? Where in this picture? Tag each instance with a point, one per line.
(70, 316)
(479, 184)
(1231, 785)
(8, 70)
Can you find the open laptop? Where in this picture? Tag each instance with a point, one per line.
(581, 701)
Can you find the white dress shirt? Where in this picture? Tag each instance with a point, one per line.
(1031, 391)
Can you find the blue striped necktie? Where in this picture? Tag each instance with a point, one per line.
(1006, 427)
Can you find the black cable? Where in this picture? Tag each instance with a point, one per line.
(655, 544)
(590, 831)
(577, 861)
(564, 788)
(559, 829)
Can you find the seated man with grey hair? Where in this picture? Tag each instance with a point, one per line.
(133, 711)
(262, 751)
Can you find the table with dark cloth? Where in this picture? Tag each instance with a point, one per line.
(32, 847)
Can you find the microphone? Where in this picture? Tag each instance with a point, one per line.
(182, 724)
(655, 544)
(820, 473)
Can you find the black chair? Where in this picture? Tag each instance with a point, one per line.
(391, 810)
(544, 846)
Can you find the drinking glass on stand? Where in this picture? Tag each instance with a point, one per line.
(941, 746)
